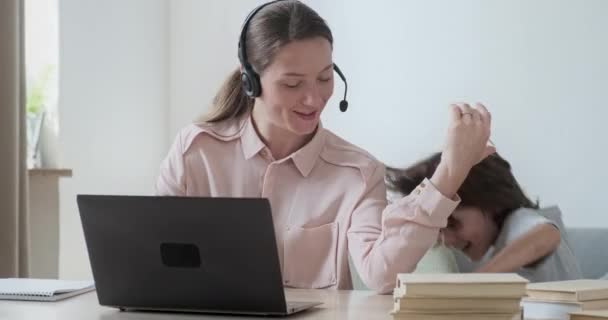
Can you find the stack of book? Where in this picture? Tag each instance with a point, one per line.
(470, 296)
(556, 300)
(590, 315)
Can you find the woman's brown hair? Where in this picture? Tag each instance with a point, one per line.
(273, 27)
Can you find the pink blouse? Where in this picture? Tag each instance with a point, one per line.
(328, 201)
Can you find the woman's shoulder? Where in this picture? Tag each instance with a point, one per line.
(340, 152)
(223, 131)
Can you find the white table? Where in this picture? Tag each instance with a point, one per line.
(337, 305)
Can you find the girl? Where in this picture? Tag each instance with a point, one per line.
(496, 220)
(263, 138)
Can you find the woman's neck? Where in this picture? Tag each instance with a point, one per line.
(281, 142)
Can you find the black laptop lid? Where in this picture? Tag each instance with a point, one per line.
(183, 253)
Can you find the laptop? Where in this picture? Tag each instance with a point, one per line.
(185, 254)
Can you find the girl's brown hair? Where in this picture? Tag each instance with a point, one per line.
(490, 185)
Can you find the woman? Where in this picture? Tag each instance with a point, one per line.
(496, 224)
(263, 138)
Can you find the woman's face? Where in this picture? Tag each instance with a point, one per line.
(471, 231)
(297, 85)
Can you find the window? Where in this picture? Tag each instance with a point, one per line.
(41, 67)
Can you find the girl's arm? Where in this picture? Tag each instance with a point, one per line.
(534, 245)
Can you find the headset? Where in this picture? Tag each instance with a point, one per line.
(250, 80)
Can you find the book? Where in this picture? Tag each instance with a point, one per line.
(451, 316)
(461, 285)
(571, 290)
(42, 289)
(589, 315)
(556, 310)
(458, 305)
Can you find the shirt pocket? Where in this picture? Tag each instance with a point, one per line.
(310, 256)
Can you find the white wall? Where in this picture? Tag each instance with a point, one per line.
(134, 72)
(203, 50)
(113, 107)
(540, 66)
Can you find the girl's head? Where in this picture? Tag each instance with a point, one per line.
(488, 195)
(290, 47)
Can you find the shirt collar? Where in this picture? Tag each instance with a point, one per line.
(304, 158)
(251, 142)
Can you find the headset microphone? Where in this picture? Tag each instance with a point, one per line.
(251, 80)
(343, 103)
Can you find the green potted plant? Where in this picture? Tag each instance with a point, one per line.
(35, 113)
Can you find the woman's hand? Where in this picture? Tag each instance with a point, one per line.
(466, 146)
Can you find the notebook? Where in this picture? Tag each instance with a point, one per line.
(42, 289)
